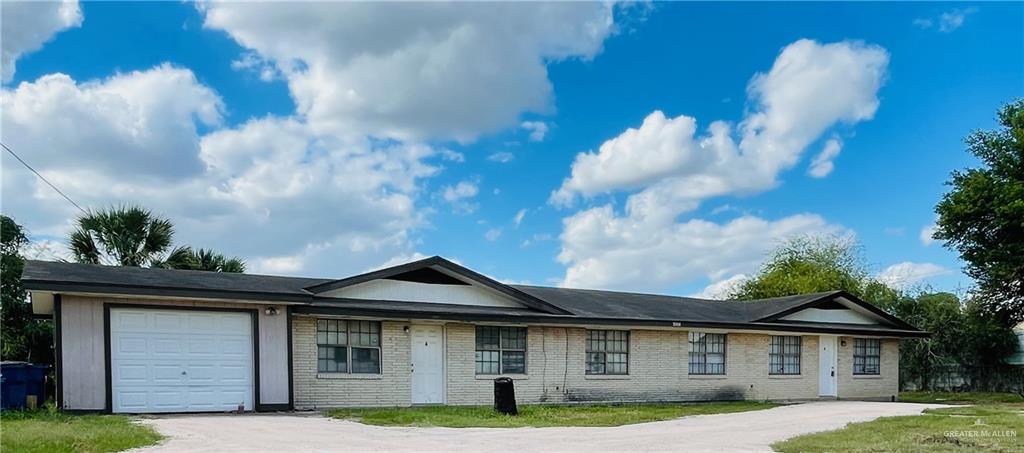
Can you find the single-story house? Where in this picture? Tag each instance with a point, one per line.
(140, 340)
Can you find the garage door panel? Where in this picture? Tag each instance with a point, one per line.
(206, 365)
(167, 346)
(131, 345)
(129, 322)
(233, 324)
(198, 323)
(167, 322)
(133, 400)
(132, 374)
(237, 347)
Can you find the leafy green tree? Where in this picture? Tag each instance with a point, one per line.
(124, 235)
(201, 260)
(982, 216)
(942, 315)
(23, 337)
(811, 264)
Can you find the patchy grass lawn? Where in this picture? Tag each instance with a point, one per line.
(995, 424)
(540, 415)
(53, 431)
(960, 398)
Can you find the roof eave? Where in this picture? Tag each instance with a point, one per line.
(161, 291)
(390, 313)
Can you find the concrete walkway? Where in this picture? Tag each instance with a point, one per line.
(745, 431)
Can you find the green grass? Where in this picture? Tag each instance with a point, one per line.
(960, 398)
(539, 415)
(53, 431)
(952, 429)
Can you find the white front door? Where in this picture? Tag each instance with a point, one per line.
(427, 364)
(180, 360)
(827, 356)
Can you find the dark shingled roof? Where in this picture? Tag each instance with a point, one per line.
(613, 304)
(47, 274)
(582, 305)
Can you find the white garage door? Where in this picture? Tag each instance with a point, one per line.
(180, 360)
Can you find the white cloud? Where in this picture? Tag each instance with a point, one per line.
(272, 190)
(252, 61)
(278, 265)
(926, 235)
(503, 157)
(906, 274)
(492, 234)
(48, 250)
(953, 19)
(810, 88)
(822, 164)
(142, 121)
(519, 217)
(923, 22)
(947, 21)
(603, 250)
(416, 70)
(721, 289)
(458, 196)
(538, 237)
(464, 189)
(26, 26)
(453, 156)
(537, 130)
(401, 259)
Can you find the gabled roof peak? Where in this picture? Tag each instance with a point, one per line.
(458, 271)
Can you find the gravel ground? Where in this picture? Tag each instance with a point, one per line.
(744, 431)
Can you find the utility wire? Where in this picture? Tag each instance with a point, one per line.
(16, 156)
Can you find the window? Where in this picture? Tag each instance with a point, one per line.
(607, 352)
(707, 353)
(500, 348)
(347, 346)
(784, 355)
(866, 356)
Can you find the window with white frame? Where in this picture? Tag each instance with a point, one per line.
(784, 355)
(500, 350)
(867, 356)
(608, 352)
(707, 353)
(347, 346)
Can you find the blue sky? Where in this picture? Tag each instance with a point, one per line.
(325, 140)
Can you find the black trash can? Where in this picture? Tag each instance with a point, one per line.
(505, 396)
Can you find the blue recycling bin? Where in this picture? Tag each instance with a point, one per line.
(20, 379)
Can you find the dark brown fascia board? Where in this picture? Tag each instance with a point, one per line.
(575, 320)
(162, 291)
(526, 299)
(830, 296)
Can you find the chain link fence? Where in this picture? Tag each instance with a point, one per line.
(965, 378)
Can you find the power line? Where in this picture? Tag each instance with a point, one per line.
(16, 156)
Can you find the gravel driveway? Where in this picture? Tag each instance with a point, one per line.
(744, 431)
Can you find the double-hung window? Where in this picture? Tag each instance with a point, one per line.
(500, 350)
(607, 352)
(707, 353)
(867, 354)
(345, 346)
(784, 355)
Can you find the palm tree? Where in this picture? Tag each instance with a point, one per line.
(186, 257)
(123, 235)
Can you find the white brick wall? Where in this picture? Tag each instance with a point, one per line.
(884, 386)
(658, 364)
(313, 390)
